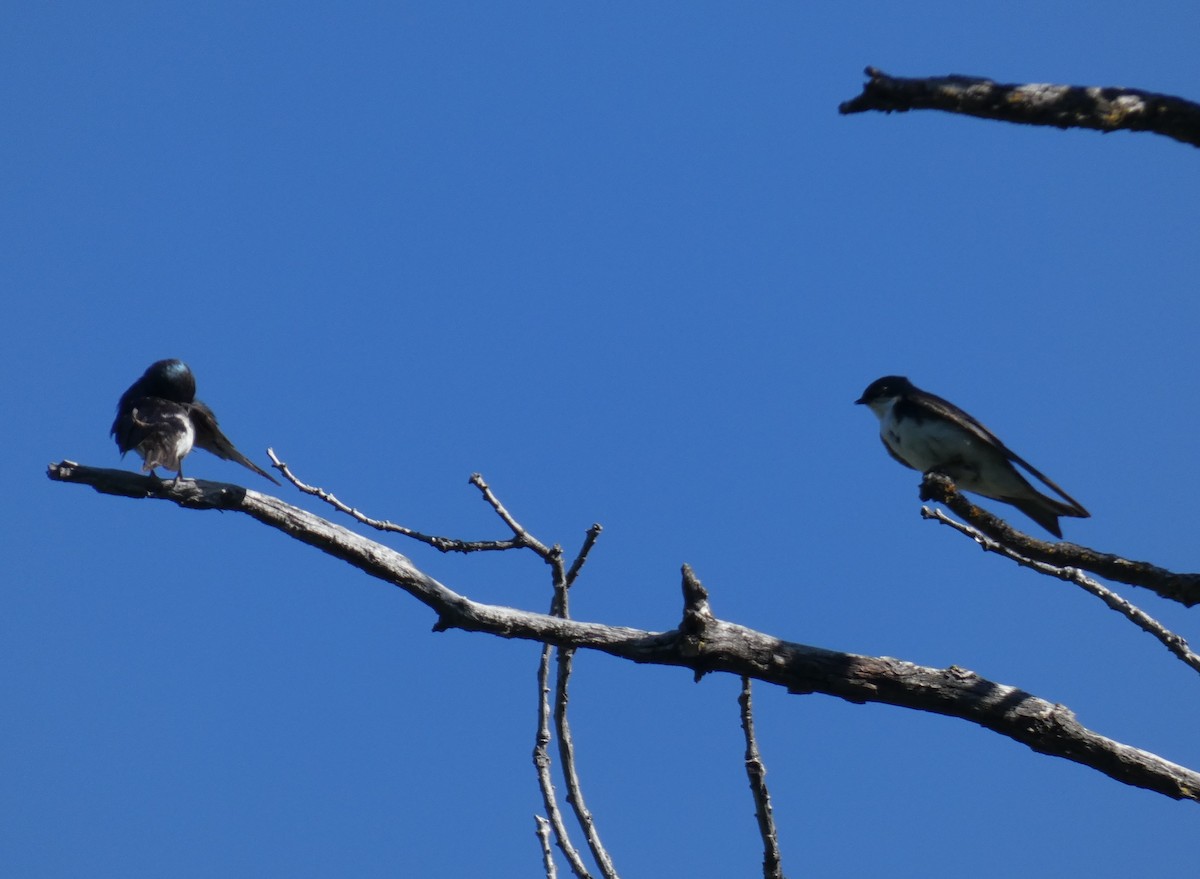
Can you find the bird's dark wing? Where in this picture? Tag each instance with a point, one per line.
(895, 457)
(210, 438)
(946, 409)
(139, 417)
(122, 429)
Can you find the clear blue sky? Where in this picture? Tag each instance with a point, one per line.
(630, 264)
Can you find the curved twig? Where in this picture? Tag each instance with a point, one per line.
(445, 544)
(566, 754)
(541, 760)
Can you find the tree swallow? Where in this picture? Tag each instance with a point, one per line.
(925, 432)
(160, 418)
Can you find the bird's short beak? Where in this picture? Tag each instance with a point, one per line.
(861, 400)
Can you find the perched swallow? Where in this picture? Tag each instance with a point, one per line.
(160, 418)
(927, 433)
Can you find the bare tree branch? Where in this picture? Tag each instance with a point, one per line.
(1183, 588)
(566, 743)
(757, 774)
(701, 644)
(562, 580)
(1177, 644)
(1062, 106)
(541, 760)
(559, 607)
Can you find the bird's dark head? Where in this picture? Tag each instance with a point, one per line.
(885, 389)
(167, 380)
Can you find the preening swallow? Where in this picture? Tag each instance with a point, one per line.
(160, 418)
(925, 432)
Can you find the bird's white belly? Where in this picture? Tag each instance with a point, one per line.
(927, 444)
(934, 444)
(187, 439)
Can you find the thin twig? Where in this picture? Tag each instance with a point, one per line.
(566, 755)
(541, 760)
(589, 541)
(445, 544)
(543, 835)
(757, 774)
(522, 535)
(1173, 642)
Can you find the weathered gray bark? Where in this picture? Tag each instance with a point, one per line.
(701, 642)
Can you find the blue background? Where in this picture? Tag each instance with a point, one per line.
(630, 264)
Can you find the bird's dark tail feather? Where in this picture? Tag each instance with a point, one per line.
(210, 438)
(1045, 511)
